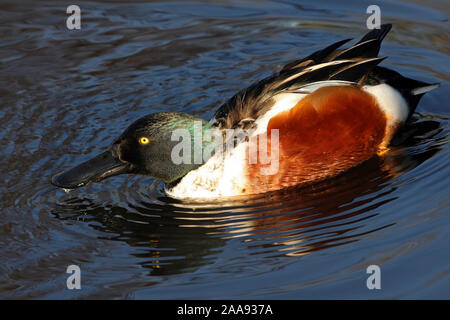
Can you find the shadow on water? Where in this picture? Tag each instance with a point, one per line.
(175, 236)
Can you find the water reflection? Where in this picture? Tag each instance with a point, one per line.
(172, 236)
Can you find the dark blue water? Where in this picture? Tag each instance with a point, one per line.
(66, 94)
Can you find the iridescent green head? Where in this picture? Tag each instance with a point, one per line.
(163, 145)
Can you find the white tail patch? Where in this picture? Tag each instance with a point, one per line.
(422, 90)
(394, 107)
(390, 101)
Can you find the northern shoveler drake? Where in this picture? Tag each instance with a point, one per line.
(320, 115)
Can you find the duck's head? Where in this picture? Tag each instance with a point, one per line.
(145, 147)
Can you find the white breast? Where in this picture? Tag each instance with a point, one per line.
(218, 177)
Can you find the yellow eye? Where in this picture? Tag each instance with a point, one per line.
(144, 140)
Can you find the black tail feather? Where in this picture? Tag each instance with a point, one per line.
(316, 57)
(378, 34)
(409, 88)
(366, 49)
(356, 71)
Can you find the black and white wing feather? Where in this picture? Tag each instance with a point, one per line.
(356, 64)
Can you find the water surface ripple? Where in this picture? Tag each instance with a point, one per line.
(66, 94)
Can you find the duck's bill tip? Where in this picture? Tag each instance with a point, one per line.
(65, 181)
(98, 168)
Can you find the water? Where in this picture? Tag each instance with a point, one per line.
(66, 94)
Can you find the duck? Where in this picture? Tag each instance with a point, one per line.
(313, 120)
